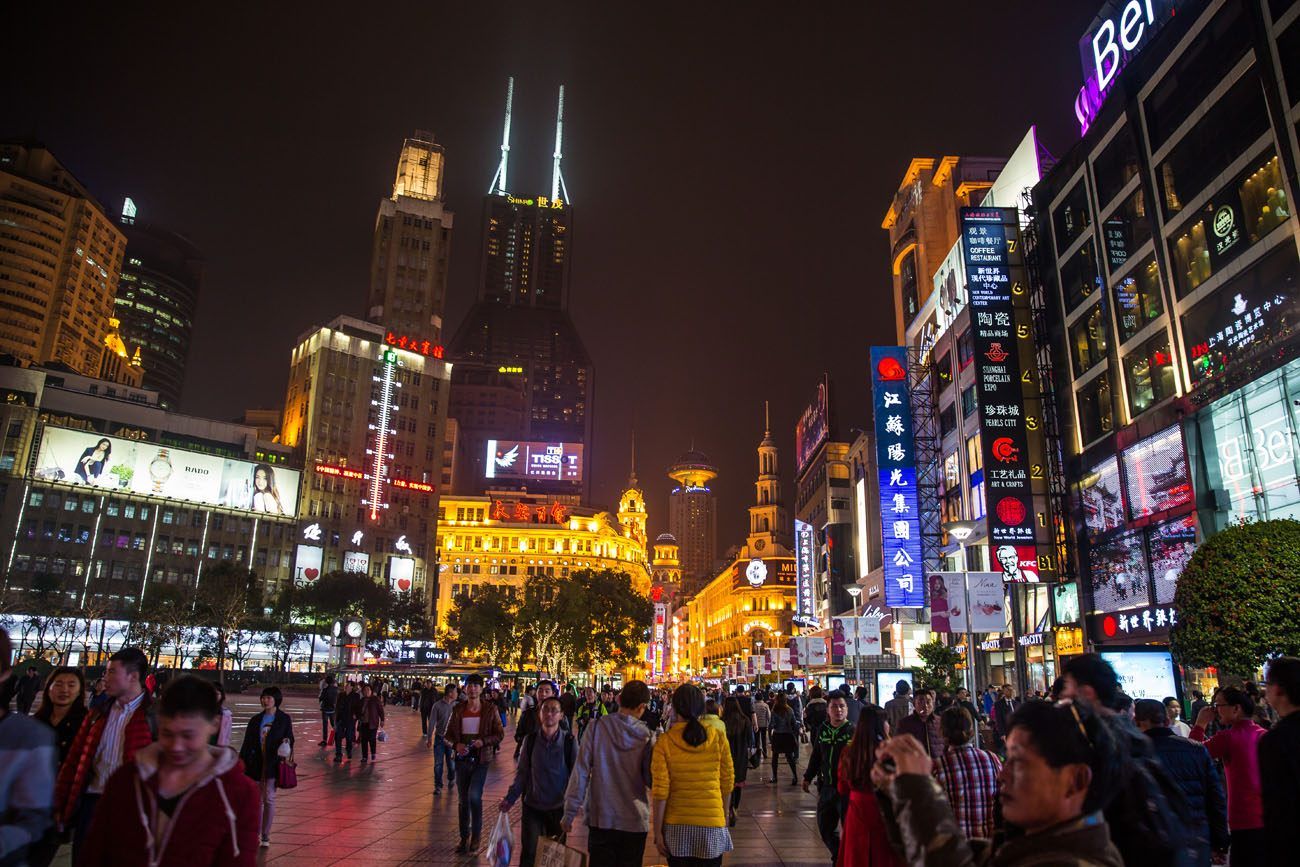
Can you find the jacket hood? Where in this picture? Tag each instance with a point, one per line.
(677, 735)
(146, 763)
(626, 733)
(148, 759)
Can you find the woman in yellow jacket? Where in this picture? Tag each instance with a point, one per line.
(693, 777)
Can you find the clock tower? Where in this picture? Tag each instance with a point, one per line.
(631, 505)
(769, 524)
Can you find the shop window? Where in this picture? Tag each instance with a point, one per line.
(1149, 373)
(1088, 340)
(1079, 277)
(1072, 217)
(1116, 165)
(1138, 299)
(974, 454)
(951, 471)
(1096, 417)
(1126, 230)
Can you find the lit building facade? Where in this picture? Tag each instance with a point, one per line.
(503, 540)
(693, 518)
(365, 419)
(1167, 251)
(60, 262)
(105, 493)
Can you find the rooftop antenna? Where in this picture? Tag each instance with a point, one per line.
(631, 479)
(767, 420)
(557, 180)
(499, 180)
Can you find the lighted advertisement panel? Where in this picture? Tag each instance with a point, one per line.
(152, 470)
(401, 573)
(1155, 474)
(1065, 602)
(1171, 544)
(948, 602)
(356, 561)
(899, 509)
(805, 553)
(512, 459)
(307, 564)
(1119, 573)
(1144, 673)
(813, 427)
(1120, 31)
(1101, 498)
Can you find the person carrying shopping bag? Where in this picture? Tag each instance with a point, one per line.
(267, 742)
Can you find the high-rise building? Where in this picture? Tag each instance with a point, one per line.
(693, 518)
(60, 262)
(523, 384)
(366, 418)
(156, 301)
(408, 262)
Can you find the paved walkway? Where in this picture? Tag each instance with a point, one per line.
(386, 812)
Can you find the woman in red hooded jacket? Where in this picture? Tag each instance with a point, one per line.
(180, 802)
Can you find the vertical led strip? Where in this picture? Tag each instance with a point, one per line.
(385, 404)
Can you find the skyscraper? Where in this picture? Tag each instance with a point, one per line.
(408, 263)
(693, 518)
(59, 263)
(156, 301)
(522, 386)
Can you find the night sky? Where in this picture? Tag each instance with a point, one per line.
(729, 166)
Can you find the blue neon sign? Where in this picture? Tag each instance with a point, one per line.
(900, 522)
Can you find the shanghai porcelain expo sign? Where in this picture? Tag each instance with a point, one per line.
(1120, 31)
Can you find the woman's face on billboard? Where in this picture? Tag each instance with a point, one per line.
(259, 480)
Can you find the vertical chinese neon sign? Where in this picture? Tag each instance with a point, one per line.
(900, 522)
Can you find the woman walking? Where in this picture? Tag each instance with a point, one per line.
(866, 841)
(370, 722)
(740, 738)
(63, 706)
(784, 734)
(693, 778)
(474, 727)
(268, 741)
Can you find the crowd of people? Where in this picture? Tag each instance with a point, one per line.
(1081, 776)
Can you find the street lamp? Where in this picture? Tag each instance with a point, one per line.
(961, 531)
(855, 591)
(776, 653)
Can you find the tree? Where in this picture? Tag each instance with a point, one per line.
(592, 618)
(483, 623)
(224, 600)
(939, 669)
(1237, 598)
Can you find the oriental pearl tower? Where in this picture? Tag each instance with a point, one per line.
(692, 518)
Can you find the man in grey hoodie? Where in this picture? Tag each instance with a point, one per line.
(610, 779)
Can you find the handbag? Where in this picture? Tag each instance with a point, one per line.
(382, 737)
(754, 758)
(286, 776)
(553, 853)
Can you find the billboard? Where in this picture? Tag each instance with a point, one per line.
(804, 546)
(512, 459)
(813, 427)
(1144, 673)
(356, 561)
(1155, 474)
(152, 470)
(900, 517)
(307, 564)
(401, 573)
(948, 602)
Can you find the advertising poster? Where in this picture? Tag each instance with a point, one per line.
(1143, 674)
(839, 638)
(109, 463)
(868, 636)
(307, 564)
(948, 599)
(401, 574)
(900, 519)
(815, 653)
(513, 459)
(804, 548)
(356, 561)
(813, 427)
(1065, 602)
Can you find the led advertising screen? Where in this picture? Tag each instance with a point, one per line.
(1102, 501)
(1155, 474)
(1119, 573)
(1143, 673)
(813, 427)
(401, 574)
(1172, 544)
(112, 464)
(887, 682)
(1065, 602)
(804, 545)
(900, 516)
(510, 459)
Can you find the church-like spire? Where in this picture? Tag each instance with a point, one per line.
(499, 179)
(631, 478)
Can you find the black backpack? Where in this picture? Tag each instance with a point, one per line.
(1150, 821)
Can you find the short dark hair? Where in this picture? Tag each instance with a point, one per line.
(550, 698)
(133, 659)
(1284, 673)
(815, 692)
(925, 690)
(188, 694)
(1239, 699)
(860, 693)
(1089, 669)
(956, 726)
(329, 680)
(837, 696)
(274, 692)
(1071, 733)
(448, 689)
(1148, 710)
(474, 680)
(902, 688)
(635, 693)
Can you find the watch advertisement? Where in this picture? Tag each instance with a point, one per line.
(150, 469)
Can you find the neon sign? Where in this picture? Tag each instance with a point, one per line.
(510, 368)
(900, 516)
(527, 513)
(340, 472)
(382, 427)
(1120, 30)
(412, 344)
(406, 484)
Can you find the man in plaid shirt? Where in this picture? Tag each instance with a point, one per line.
(968, 774)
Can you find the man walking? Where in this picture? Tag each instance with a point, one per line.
(545, 762)
(1192, 769)
(443, 753)
(829, 740)
(329, 696)
(762, 718)
(1279, 757)
(899, 706)
(1005, 706)
(346, 711)
(28, 687)
(610, 782)
(968, 774)
(923, 724)
(428, 696)
(530, 720)
(108, 737)
(27, 759)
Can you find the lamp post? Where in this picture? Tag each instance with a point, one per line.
(758, 670)
(961, 531)
(776, 654)
(855, 591)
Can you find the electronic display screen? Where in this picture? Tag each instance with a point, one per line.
(1101, 498)
(1119, 573)
(1155, 474)
(1144, 674)
(1171, 546)
(513, 459)
(1065, 602)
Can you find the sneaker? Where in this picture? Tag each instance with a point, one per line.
(321, 744)
(338, 759)
(266, 841)
(462, 848)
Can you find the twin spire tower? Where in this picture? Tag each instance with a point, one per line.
(500, 180)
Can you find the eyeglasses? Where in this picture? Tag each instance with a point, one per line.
(1078, 721)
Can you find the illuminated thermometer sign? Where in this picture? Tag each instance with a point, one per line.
(383, 432)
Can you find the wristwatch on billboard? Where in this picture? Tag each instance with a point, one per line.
(160, 470)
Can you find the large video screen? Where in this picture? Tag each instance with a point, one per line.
(813, 428)
(511, 459)
(1144, 674)
(1172, 544)
(1103, 504)
(1119, 573)
(1155, 474)
(112, 464)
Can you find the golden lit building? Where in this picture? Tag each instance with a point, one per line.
(503, 540)
(747, 607)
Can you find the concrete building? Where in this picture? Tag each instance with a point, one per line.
(693, 518)
(60, 262)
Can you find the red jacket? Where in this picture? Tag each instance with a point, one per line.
(79, 767)
(216, 822)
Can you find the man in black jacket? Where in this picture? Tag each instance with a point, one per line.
(1279, 758)
(829, 741)
(1193, 769)
(346, 710)
(329, 695)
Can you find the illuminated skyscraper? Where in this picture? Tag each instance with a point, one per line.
(693, 518)
(522, 373)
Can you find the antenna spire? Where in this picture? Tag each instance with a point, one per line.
(558, 188)
(631, 479)
(767, 420)
(499, 179)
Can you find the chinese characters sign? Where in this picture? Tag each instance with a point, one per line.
(899, 515)
(514, 512)
(804, 547)
(412, 344)
(1139, 623)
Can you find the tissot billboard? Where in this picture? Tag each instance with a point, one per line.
(513, 459)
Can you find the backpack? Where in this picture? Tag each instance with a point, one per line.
(570, 750)
(1149, 818)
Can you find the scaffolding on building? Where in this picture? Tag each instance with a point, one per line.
(928, 447)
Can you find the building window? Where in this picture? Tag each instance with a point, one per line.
(1096, 418)
(1079, 277)
(908, 287)
(965, 349)
(1115, 165)
(1088, 340)
(943, 371)
(969, 401)
(1126, 230)
(974, 454)
(947, 419)
(1149, 373)
(1072, 217)
(1138, 300)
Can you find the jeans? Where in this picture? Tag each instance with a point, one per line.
(610, 848)
(830, 810)
(81, 819)
(470, 778)
(535, 824)
(443, 754)
(267, 788)
(346, 730)
(369, 739)
(326, 721)
(761, 742)
(424, 720)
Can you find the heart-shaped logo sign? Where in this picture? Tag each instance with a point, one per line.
(311, 574)
(403, 584)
